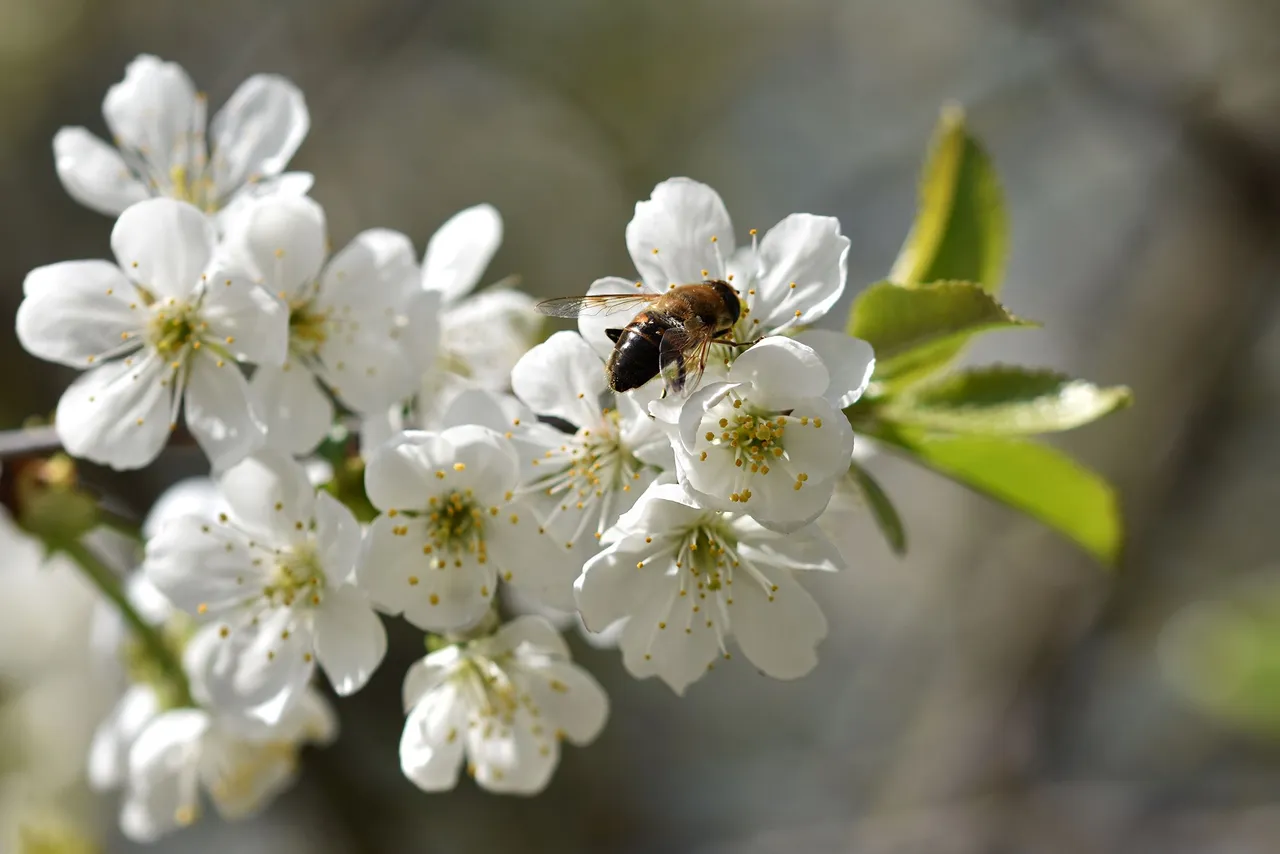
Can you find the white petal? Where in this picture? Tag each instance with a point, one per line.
(427, 674)
(370, 274)
(245, 320)
(270, 492)
(194, 496)
(420, 327)
(529, 558)
(849, 361)
(109, 751)
(231, 215)
(570, 698)
(257, 131)
(778, 631)
(401, 578)
(535, 631)
(592, 326)
(655, 640)
(219, 412)
(350, 640)
(296, 413)
(117, 414)
(260, 668)
(483, 461)
(806, 250)
(164, 245)
(562, 377)
(612, 586)
(804, 548)
(156, 112)
(337, 538)
(200, 565)
(283, 242)
(670, 236)
(163, 774)
(431, 745)
(366, 368)
(782, 372)
(513, 760)
(75, 310)
(460, 250)
(94, 173)
(243, 776)
(401, 473)
(820, 452)
(485, 408)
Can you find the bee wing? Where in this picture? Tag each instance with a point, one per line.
(682, 356)
(596, 304)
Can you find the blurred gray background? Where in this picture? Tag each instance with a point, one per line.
(994, 692)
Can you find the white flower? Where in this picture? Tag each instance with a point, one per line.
(164, 328)
(461, 340)
(582, 482)
(503, 703)
(241, 766)
(344, 319)
(451, 525)
(683, 235)
(157, 120)
(767, 442)
(689, 578)
(275, 579)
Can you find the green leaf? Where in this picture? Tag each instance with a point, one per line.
(916, 330)
(1040, 481)
(882, 509)
(961, 230)
(1002, 400)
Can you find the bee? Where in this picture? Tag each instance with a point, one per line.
(671, 334)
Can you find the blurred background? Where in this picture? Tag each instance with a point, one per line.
(993, 692)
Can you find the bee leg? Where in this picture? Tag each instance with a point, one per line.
(726, 342)
(614, 334)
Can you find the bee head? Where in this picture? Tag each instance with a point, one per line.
(732, 304)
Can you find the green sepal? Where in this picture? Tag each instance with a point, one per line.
(882, 509)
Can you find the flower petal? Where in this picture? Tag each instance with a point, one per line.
(350, 639)
(295, 412)
(109, 752)
(849, 361)
(820, 452)
(74, 311)
(569, 697)
(488, 332)
(778, 630)
(515, 759)
(665, 637)
(245, 319)
(246, 775)
(219, 413)
(231, 215)
(164, 245)
(670, 236)
(371, 274)
(156, 112)
(201, 566)
(592, 326)
(400, 475)
(562, 377)
(431, 745)
(259, 668)
(460, 250)
(782, 373)
(532, 630)
(270, 492)
(427, 674)
(93, 172)
(484, 462)
(611, 585)
(804, 548)
(808, 252)
(282, 240)
(338, 539)
(257, 131)
(117, 414)
(366, 368)
(164, 774)
(529, 558)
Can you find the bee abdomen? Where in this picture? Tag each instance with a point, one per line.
(634, 360)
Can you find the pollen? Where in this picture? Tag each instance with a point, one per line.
(433, 599)
(413, 581)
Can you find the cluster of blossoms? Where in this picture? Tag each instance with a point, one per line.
(673, 523)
